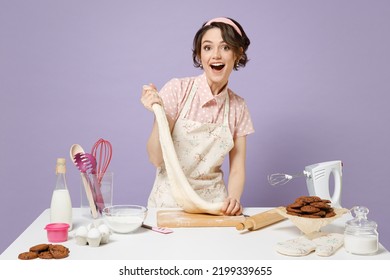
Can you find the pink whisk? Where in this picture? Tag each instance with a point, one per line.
(102, 151)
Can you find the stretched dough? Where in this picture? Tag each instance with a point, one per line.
(182, 191)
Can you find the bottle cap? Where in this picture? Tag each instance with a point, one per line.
(61, 165)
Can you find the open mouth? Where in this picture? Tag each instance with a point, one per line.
(217, 66)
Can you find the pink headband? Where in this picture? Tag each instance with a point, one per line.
(225, 20)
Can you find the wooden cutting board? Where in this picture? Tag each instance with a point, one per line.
(178, 218)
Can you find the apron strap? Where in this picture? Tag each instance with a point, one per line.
(226, 111)
(189, 99)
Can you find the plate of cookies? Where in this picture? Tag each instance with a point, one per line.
(311, 213)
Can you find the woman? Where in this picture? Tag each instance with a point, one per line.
(207, 120)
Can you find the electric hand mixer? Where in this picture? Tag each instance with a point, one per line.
(317, 180)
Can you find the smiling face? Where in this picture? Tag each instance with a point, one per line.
(217, 59)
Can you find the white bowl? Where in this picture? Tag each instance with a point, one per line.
(124, 218)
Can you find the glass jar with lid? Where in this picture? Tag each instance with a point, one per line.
(360, 235)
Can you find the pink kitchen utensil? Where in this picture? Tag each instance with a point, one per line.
(102, 151)
(75, 154)
(158, 229)
(82, 163)
(87, 164)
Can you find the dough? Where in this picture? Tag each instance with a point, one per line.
(182, 191)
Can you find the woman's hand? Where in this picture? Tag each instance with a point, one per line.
(150, 96)
(231, 207)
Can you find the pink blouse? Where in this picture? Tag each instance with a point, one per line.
(206, 107)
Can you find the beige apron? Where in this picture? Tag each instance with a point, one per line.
(201, 149)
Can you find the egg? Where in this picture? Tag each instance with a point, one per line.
(90, 226)
(94, 237)
(81, 235)
(105, 232)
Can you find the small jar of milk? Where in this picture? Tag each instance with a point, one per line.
(360, 235)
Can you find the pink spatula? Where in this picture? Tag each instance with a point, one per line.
(158, 229)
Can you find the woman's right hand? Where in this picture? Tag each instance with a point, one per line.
(150, 96)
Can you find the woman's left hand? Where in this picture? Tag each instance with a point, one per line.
(232, 207)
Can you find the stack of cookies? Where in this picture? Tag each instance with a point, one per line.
(45, 251)
(311, 207)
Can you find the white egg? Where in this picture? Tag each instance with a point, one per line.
(93, 233)
(104, 228)
(82, 231)
(81, 235)
(105, 232)
(90, 226)
(94, 237)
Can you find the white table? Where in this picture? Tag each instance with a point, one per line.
(212, 243)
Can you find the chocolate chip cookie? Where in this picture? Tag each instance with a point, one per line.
(39, 248)
(28, 256)
(59, 251)
(311, 207)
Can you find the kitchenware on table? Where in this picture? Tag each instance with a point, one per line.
(361, 235)
(104, 190)
(102, 151)
(87, 164)
(179, 218)
(124, 218)
(75, 151)
(57, 232)
(260, 220)
(158, 229)
(317, 180)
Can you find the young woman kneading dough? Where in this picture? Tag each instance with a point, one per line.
(206, 119)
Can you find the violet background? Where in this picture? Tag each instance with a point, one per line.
(317, 86)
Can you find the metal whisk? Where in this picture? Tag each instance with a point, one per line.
(281, 179)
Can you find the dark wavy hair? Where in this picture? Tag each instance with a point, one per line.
(230, 36)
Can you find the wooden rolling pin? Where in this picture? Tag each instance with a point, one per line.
(260, 220)
(179, 218)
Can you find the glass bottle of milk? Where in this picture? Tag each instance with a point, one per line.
(61, 204)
